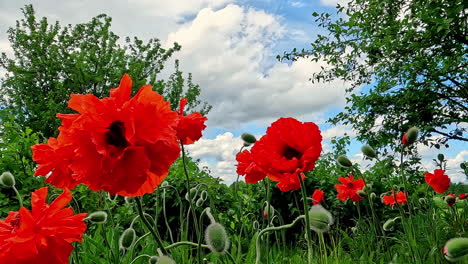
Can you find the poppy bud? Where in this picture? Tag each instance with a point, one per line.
(320, 219)
(204, 195)
(411, 135)
(389, 225)
(164, 184)
(440, 157)
(450, 200)
(7, 180)
(268, 210)
(368, 151)
(216, 238)
(199, 202)
(248, 139)
(344, 162)
(456, 248)
(98, 217)
(193, 193)
(127, 238)
(163, 260)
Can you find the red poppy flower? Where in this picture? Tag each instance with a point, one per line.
(118, 144)
(462, 196)
(393, 198)
(450, 199)
(404, 141)
(189, 127)
(288, 149)
(248, 167)
(438, 181)
(42, 235)
(317, 197)
(349, 188)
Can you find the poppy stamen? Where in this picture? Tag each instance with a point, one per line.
(115, 136)
(290, 153)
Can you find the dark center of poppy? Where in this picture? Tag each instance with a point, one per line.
(290, 153)
(350, 185)
(115, 134)
(15, 222)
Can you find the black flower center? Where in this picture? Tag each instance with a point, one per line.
(290, 153)
(115, 134)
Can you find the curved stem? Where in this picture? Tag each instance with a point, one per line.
(141, 256)
(148, 225)
(185, 243)
(20, 200)
(269, 229)
(306, 212)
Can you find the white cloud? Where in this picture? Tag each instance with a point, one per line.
(338, 131)
(297, 4)
(333, 3)
(227, 51)
(218, 154)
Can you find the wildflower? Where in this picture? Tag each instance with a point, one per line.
(392, 199)
(450, 199)
(317, 197)
(438, 181)
(288, 149)
(42, 235)
(189, 128)
(349, 188)
(118, 144)
(462, 196)
(456, 248)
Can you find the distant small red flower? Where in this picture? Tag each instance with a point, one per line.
(288, 149)
(438, 181)
(392, 199)
(349, 188)
(404, 141)
(462, 196)
(451, 201)
(120, 144)
(42, 235)
(317, 197)
(189, 128)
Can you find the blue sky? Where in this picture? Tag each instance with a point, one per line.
(231, 47)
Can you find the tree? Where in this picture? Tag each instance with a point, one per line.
(410, 59)
(51, 62)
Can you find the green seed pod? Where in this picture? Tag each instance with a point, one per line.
(216, 238)
(389, 225)
(199, 202)
(7, 180)
(440, 157)
(127, 238)
(98, 217)
(456, 248)
(320, 219)
(368, 151)
(164, 260)
(412, 135)
(204, 195)
(343, 161)
(248, 139)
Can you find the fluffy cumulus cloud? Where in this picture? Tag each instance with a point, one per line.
(231, 53)
(218, 154)
(333, 3)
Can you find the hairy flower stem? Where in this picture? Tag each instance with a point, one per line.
(148, 225)
(269, 229)
(307, 220)
(20, 200)
(185, 243)
(192, 212)
(322, 245)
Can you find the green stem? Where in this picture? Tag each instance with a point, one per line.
(148, 225)
(269, 229)
(306, 212)
(185, 243)
(20, 200)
